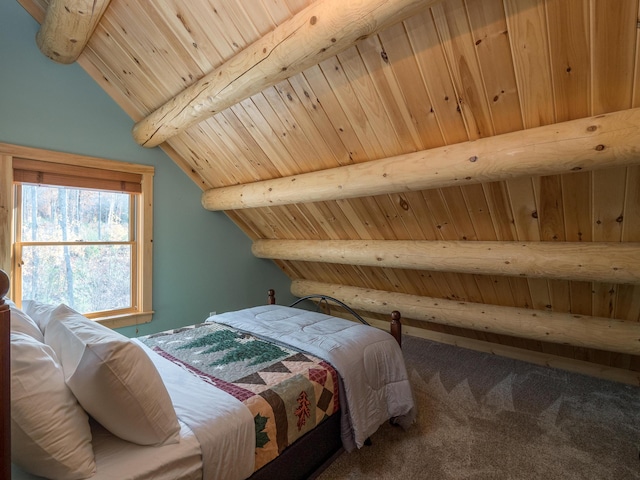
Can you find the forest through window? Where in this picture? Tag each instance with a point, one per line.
(77, 246)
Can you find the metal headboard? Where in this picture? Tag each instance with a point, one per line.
(325, 299)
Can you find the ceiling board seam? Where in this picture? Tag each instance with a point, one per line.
(482, 79)
(447, 60)
(550, 61)
(435, 111)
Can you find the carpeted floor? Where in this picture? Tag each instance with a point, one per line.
(486, 417)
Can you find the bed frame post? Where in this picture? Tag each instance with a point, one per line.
(5, 379)
(396, 327)
(271, 299)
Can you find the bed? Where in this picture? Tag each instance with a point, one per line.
(264, 392)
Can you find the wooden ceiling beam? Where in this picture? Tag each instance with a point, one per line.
(604, 141)
(598, 262)
(322, 30)
(563, 328)
(67, 28)
(545, 359)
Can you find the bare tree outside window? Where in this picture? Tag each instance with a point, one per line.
(77, 247)
(81, 233)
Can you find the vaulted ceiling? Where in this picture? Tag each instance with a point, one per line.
(474, 164)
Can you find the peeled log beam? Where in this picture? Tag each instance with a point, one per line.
(322, 30)
(568, 329)
(599, 262)
(67, 28)
(605, 141)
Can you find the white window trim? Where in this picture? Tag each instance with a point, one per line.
(144, 312)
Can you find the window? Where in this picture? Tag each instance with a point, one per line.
(82, 235)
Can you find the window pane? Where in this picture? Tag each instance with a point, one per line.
(88, 278)
(59, 214)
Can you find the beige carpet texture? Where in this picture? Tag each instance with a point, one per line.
(486, 417)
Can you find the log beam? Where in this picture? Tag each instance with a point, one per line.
(563, 328)
(322, 30)
(67, 28)
(590, 262)
(605, 141)
(545, 359)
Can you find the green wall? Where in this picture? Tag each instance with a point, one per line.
(202, 261)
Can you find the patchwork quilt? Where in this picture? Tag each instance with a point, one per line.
(288, 392)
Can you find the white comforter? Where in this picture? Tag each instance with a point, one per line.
(369, 361)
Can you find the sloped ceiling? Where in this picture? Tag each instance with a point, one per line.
(454, 77)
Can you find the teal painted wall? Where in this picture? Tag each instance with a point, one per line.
(202, 261)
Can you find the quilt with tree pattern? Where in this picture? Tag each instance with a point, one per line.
(288, 392)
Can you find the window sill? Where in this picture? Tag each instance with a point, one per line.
(125, 320)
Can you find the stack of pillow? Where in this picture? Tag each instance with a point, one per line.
(66, 368)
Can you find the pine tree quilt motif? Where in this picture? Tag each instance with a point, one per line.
(287, 391)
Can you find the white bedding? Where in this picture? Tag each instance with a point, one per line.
(217, 433)
(117, 459)
(222, 424)
(369, 362)
(217, 436)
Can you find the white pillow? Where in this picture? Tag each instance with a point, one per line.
(21, 322)
(50, 434)
(39, 312)
(113, 379)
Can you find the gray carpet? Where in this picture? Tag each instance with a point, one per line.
(487, 417)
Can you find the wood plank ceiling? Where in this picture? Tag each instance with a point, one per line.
(455, 72)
